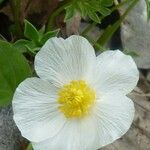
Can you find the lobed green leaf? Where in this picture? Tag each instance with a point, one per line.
(106, 3)
(69, 12)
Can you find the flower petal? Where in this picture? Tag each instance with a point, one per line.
(113, 116)
(36, 110)
(76, 135)
(60, 61)
(115, 72)
(110, 119)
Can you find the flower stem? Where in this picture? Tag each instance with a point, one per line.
(88, 28)
(29, 147)
(95, 44)
(111, 29)
(15, 7)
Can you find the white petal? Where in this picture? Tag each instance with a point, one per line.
(76, 135)
(114, 115)
(115, 72)
(36, 110)
(111, 119)
(60, 61)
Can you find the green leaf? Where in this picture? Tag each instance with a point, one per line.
(104, 11)
(32, 47)
(106, 3)
(82, 9)
(14, 68)
(20, 45)
(69, 12)
(92, 5)
(42, 30)
(31, 32)
(1, 1)
(29, 147)
(93, 16)
(48, 35)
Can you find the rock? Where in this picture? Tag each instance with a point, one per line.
(148, 76)
(10, 138)
(135, 34)
(94, 33)
(73, 24)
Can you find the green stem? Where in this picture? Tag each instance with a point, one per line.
(96, 45)
(110, 30)
(148, 9)
(51, 20)
(90, 26)
(29, 147)
(15, 7)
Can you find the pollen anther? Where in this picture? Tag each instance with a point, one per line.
(76, 99)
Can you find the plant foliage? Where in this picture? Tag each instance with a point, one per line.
(93, 9)
(34, 38)
(14, 68)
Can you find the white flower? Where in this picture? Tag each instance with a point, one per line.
(79, 102)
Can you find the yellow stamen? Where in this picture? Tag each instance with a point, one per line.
(76, 99)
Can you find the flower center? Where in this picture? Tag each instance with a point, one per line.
(76, 99)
